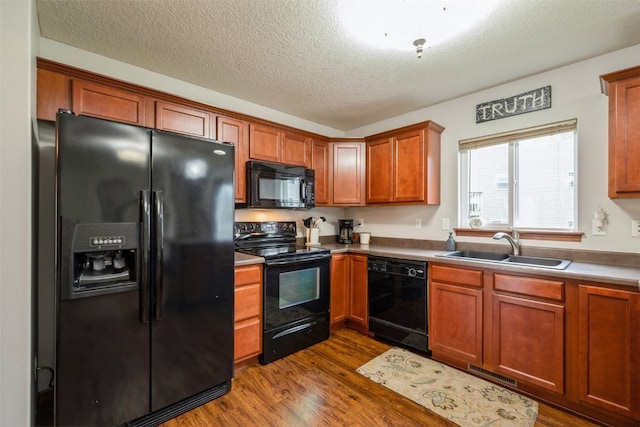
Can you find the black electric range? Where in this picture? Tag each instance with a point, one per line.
(296, 282)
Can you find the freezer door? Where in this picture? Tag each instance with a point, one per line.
(102, 351)
(192, 325)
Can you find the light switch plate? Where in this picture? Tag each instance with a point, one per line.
(635, 228)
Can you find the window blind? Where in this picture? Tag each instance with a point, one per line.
(516, 135)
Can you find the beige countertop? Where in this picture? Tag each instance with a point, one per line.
(611, 274)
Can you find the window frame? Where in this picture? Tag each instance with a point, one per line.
(567, 234)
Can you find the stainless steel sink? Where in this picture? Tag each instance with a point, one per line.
(487, 256)
(557, 263)
(554, 263)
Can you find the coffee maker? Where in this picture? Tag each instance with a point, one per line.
(345, 234)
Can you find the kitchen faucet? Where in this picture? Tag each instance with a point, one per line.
(513, 241)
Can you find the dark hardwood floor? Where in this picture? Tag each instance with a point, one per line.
(319, 386)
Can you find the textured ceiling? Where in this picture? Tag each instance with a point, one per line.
(296, 57)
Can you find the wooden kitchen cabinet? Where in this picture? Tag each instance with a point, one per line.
(273, 145)
(236, 132)
(456, 313)
(609, 349)
(320, 164)
(178, 118)
(346, 182)
(623, 88)
(53, 92)
(339, 289)
(339, 168)
(349, 292)
(108, 102)
(528, 330)
(403, 165)
(358, 293)
(247, 313)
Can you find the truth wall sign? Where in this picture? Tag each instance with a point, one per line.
(533, 100)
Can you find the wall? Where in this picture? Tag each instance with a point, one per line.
(575, 94)
(17, 18)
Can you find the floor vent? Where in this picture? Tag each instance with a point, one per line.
(497, 377)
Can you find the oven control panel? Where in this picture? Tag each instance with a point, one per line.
(270, 227)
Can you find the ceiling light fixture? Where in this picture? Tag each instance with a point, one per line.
(419, 44)
(392, 25)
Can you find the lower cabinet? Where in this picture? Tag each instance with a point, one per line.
(359, 293)
(339, 289)
(571, 343)
(528, 330)
(349, 293)
(609, 349)
(456, 313)
(248, 313)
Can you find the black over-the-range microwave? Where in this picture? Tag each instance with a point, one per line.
(279, 186)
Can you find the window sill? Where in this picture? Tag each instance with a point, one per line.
(563, 236)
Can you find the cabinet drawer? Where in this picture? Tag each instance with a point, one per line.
(456, 275)
(248, 335)
(542, 288)
(248, 300)
(246, 275)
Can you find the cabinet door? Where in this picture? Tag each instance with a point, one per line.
(609, 349)
(177, 118)
(455, 321)
(96, 100)
(235, 131)
(53, 93)
(380, 171)
(409, 171)
(347, 174)
(320, 163)
(624, 139)
(358, 297)
(264, 143)
(247, 312)
(296, 150)
(528, 341)
(339, 288)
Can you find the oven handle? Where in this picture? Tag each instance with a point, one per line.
(298, 261)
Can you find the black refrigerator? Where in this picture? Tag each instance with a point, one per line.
(144, 275)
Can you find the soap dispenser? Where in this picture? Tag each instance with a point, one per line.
(451, 242)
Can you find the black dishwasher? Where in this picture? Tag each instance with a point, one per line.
(398, 301)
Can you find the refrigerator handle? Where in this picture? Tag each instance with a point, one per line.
(145, 254)
(159, 236)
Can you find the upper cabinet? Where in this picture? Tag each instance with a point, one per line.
(346, 173)
(623, 88)
(236, 132)
(53, 92)
(274, 145)
(403, 165)
(178, 118)
(107, 102)
(320, 163)
(339, 170)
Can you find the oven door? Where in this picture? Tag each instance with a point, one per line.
(276, 189)
(295, 290)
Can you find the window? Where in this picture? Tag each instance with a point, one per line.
(524, 178)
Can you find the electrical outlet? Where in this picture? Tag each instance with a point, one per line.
(360, 222)
(445, 223)
(418, 224)
(597, 230)
(635, 228)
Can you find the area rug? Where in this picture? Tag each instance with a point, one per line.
(450, 393)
